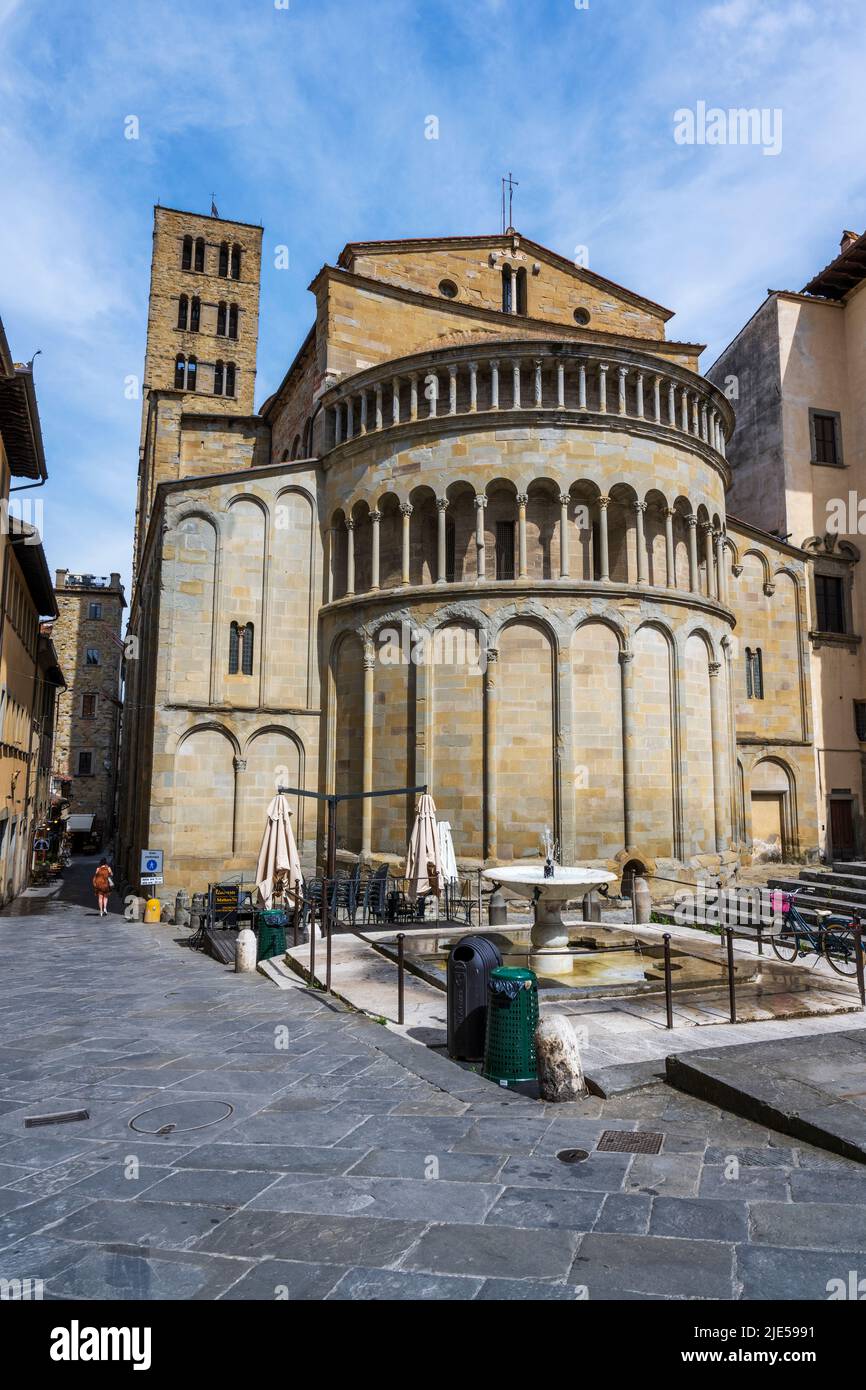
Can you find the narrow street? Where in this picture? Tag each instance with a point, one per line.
(248, 1143)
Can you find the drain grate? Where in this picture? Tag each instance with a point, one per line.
(572, 1155)
(629, 1141)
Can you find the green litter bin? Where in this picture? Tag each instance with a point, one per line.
(512, 1017)
(271, 934)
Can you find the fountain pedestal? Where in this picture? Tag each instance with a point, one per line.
(549, 953)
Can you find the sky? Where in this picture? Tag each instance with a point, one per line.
(313, 116)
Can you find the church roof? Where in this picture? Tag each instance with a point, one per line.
(843, 273)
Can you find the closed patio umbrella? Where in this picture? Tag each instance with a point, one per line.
(424, 850)
(446, 850)
(279, 866)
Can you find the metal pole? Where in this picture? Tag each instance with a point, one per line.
(479, 900)
(328, 929)
(400, 978)
(297, 913)
(669, 988)
(312, 942)
(760, 930)
(732, 989)
(633, 899)
(331, 854)
(858, 947)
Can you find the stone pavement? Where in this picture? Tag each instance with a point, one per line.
(287, 1148)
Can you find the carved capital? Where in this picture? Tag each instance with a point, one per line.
(522, 500)
(639, 506)
(715, 667)
(692, 520)
(240, 764)
(406, 509)
(564, 499)
(480, 501)
(604, 502)
(442, 503)
(375, 516)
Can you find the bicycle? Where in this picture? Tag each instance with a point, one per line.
(833, 938)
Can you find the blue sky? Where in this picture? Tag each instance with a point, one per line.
(311, 120)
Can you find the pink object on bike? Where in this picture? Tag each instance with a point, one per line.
(780, 902)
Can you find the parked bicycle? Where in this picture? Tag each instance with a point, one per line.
(833, 937)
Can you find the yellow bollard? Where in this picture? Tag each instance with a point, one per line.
(153, 911)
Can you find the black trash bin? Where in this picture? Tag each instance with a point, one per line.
(471, 960)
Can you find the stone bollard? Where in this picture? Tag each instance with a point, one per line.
(643, 903)
(245, 953)
(497, 909)
(560, 1074)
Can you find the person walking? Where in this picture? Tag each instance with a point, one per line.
(102, 886)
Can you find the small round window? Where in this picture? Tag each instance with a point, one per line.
(581, 316)
(448, 289)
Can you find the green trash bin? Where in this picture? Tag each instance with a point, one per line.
(512, 1017)
(271, 932)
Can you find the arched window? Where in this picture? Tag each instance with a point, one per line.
(191, 373)
(218, 378)
(507, 290)
(450, 550)
(236, 262)
(234, 649)
(233, 320)
(182, 311)
(521, 290)
(195, 314)
(754, 674)
(199, 253)
(296, 446)
(308, 438)
(230, 378)
(186, 254)
(221, 319)
(224, 258)
(179, 372)
(247, 653)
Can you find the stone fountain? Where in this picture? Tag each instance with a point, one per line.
(550, 886)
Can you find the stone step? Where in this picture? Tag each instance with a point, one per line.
(850, 866)
(808, 905)
(832, 879)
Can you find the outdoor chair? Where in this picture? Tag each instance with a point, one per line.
(375, 896)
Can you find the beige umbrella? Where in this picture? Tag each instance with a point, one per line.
(279, 867)
(424, 860)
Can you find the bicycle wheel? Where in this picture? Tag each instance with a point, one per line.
(840, 948)
(784, 944)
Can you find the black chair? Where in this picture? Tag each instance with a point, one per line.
(375, 897)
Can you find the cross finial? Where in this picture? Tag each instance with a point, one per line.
(510, 184)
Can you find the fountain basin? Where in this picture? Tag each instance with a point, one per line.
(549, 934)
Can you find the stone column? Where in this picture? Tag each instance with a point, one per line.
(721, 568)
(431, 390)
(413, 396)
(452, 390)
(480, 504)
(564, 571)
(560, 385)
(490, 703)
(473, 386)
(707, 529)
(494, 383)
(672, 404)
(720, 762)
(602, 387)
(719, 558)
(522, 500)
(640, 542)
(621, 395)
(406, 513)
(375, 518)
(670, 556)
(630, 763)
(603, 559)
(379, 420)
(441, 564)
(581, 386)
(363, 412)
(367, 771)
(692, 523)
(696, 427)
(240, 767)
(539, 384)
(684, 412)
(705, 430)
(657, 398)
(331, 561)
(350, 417)
(338, 424)
(639, 406)
(395, 400)
(515, 378)
(350, 556)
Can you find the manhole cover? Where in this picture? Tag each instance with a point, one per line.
(624, 1141)
(182, 1116)
(572, 1155)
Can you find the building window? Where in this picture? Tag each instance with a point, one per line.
(521, 290)
(754, 674)
(88, 706)
(224, 259)
(507, 290)
(199, 253)
(450, 550)
(296, 446)
(179, 372)
(860, 719)
(448, 289)
(218, 378)
(234, 648)
(186, 254)
(233, 321)
(247, 654)
(236, 262)
(221, 319)
(505, 550)
(241, 640)
(93, 658)
(191, 373)
(230, 378)
(94, 610)
(182, 311)
(195, 314)
(85, 764)
(829, 603)
(826, 434)
(581, 316)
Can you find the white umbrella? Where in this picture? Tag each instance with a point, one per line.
(424, 851)
(446, 849)
(279, 866)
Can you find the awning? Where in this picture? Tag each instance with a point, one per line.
(81, 824)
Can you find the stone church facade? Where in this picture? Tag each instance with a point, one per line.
(476, 539)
